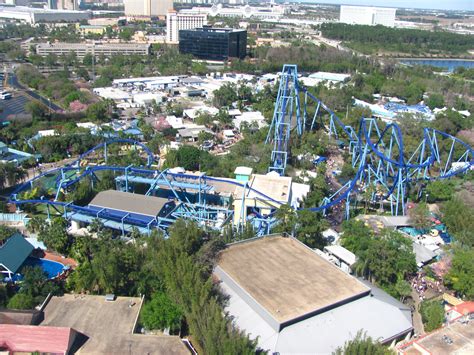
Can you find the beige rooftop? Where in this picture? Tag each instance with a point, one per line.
(286, 278)
(129, 202)
(272, 185)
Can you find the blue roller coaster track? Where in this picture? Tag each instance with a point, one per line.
(383, 168)
(384, 171)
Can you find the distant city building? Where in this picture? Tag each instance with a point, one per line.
(364, 15)
(176, 21)
(271, 11)
(34, 15)
(66, 4)
(81, 49)
(213, 43)
(147, 8)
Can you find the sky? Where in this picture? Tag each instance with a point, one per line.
(420, 4)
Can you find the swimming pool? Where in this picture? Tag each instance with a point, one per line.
(51, 268)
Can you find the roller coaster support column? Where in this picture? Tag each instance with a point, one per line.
(287, 102)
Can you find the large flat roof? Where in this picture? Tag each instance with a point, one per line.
(108, 325)
(461, 334)
(286, 278)
(129, 202)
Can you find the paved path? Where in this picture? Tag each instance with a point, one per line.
(417, 322)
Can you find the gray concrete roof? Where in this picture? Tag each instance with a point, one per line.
(381, 316)
(108, 325)
(422, 253)
(129, 202)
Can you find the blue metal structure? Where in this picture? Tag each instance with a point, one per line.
(384, 169)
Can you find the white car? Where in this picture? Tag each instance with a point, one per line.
(4, 95)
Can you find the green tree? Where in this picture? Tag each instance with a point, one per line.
(188, 157)
(439, 190)
(87, 60)
(309, 228)
(432, 314)
(100, 111)
(36, 109)
(21, 301)
(3, 296)
(55, 235)
(435, 100)
(161, 312)
(356, 236)
(403, 288)
(461, 275)
(10, 174)
(362, 344)
(287, 219)
(225, 95)
(420, 216)
(458, 218)
(126, 33)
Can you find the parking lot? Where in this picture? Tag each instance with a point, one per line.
(15, 105)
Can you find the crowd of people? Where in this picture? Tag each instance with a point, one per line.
(421, 284)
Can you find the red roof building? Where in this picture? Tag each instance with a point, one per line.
(30, 338)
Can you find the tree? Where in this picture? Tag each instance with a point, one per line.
(362, 344)
(432, 314)
(287, 219)
(5, 233)
(10, 174)
(99, 111)
(403, 288)
(161, 312)
(51, 60)
(225, 95)
(356, 236)
(461, 275)
(87, 60)
(386, 260)
(439, 190)
(55, 235)
(435, 100)
(36, 109)
(21, 301)
(309, 228)
(420, 216)
(188, 157)
(126, 33)
(205, 136)
(458, 218)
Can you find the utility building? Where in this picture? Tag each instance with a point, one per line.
(213, 43)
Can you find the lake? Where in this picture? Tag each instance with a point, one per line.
(449, 64)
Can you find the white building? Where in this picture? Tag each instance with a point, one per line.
(176, 21)
(33, 15)
(147, 8)
(271, 11)
(364, 15)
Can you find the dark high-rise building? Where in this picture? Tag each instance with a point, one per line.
(213, 43)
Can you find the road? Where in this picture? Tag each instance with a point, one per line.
(12, 82)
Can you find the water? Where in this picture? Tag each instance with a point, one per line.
(51, 268)
(449, 64)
